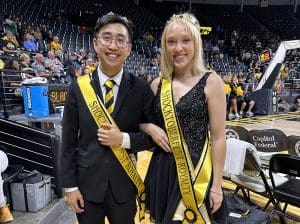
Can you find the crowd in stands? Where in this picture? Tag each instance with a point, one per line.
(37, 51)
(22, 45)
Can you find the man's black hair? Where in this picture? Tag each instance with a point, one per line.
(111, 18)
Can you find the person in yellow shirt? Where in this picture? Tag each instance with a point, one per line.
(90, 65)
(233, 97)
(257, 74)
(56, 47)
(227, 88)
(11, 37)
(284, 73)
(9, 44)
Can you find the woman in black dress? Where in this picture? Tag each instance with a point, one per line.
(183, 182)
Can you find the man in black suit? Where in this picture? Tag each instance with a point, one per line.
(95, 182)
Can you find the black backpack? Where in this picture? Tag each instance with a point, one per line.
(240, 212)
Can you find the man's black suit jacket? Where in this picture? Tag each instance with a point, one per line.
(84, 161)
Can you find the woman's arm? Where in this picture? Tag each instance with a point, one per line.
(157, 134)
(216, 101)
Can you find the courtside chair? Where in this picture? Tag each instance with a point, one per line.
(288, 192)
(248, 174)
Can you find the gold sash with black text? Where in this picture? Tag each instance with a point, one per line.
(100, 115)
(193, 181)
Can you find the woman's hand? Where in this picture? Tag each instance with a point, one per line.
(158, 135)
(215, 199)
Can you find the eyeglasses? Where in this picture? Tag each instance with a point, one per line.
(107, 40)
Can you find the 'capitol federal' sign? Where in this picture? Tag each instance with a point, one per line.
(269, 140)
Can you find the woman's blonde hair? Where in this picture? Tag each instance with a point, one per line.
(193, 26)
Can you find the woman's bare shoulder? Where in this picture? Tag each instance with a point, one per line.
(214, 79)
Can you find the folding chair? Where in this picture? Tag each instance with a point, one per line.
(250, 176)
(288, 192)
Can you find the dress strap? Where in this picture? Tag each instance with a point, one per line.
(204, 78)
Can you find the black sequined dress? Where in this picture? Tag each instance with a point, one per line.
(163, 193)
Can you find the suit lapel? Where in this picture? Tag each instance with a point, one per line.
(124, 88)
(96, 84)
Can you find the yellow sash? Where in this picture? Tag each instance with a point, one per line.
(193, 182)
(101, 115)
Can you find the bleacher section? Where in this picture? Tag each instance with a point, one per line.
(9, 101)
(31, 147)
(279, 19)
(264, 23)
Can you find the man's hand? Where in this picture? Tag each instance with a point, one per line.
(75, 200)
(109, 135)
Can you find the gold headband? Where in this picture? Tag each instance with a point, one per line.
(186, 17)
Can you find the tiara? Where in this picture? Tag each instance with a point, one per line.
(189, 18)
